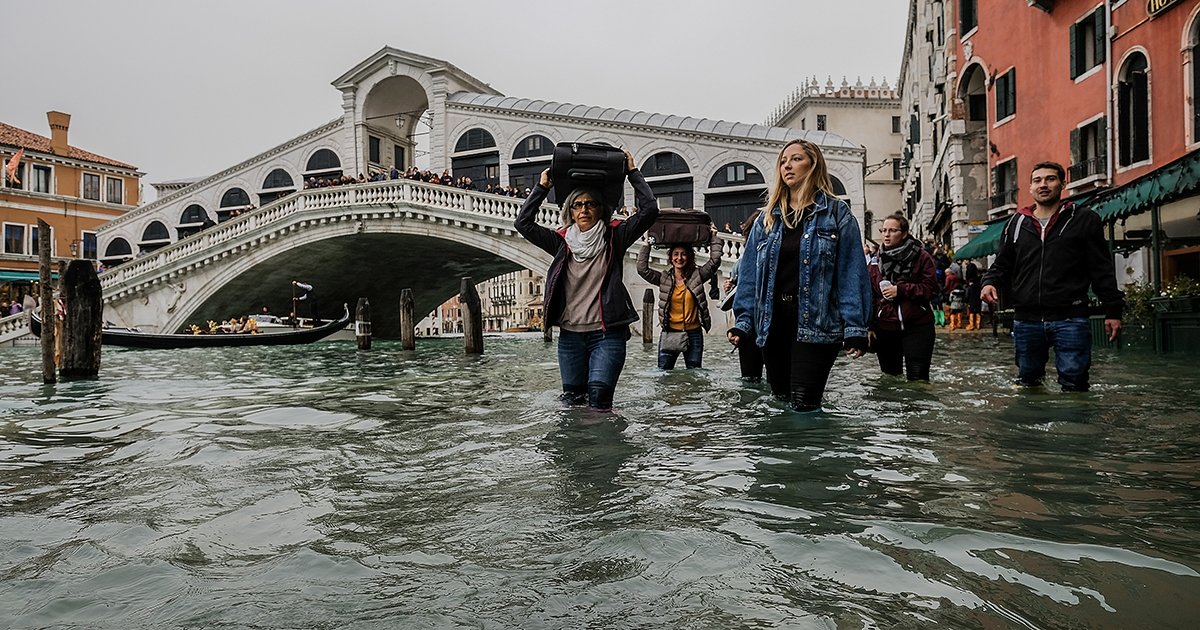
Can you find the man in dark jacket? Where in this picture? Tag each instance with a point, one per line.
(1050, 253)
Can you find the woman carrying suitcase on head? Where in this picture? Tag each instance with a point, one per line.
(585, 290)
(682, 303)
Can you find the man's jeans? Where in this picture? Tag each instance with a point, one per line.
(590, 363)
(1072, 343)
(692, 357)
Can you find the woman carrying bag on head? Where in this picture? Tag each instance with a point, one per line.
(903, 282)
(803, 288)
(585, 289)
(682, 303)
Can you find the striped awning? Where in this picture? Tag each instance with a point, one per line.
(1175, 181)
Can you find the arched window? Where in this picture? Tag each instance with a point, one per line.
(664, 163)
(1194, 50)
(1133, 111)
(235, 198)
(474, 139)
(156, 231)
(323, 160)
(839, 188)
(735, 206)
(118, 248)
(193, 214)
(736, 174)
(533, 146)
(278, 178)
(672, 183)
(973, 92)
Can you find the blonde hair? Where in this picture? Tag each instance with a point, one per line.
(816, 180)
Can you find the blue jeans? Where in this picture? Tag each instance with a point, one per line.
(590, 364)
(691, 358)
(1072, 343)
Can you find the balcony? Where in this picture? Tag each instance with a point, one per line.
(1006, 198)
(1086, 168)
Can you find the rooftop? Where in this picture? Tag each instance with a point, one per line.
(18, 138)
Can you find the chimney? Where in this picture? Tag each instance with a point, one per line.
(59, 123)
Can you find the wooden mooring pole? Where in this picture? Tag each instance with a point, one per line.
(49, 313)
(408, 322)
(83, 319)
(648, 316)
(362, 324)
(472, 315)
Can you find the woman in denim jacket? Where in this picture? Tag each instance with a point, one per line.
(804, 291)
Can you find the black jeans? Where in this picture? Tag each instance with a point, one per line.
(796, 371)
(750, 357)
(913, 348)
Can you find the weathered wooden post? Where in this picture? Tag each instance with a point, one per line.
(362, 324)
(83, 320)
(408, 322)
(472, 317)
(648, 316)
(49, 316)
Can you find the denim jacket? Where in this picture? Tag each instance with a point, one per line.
(835, 289)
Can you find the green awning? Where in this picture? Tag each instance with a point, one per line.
(1175, 181)
(29, 276)
(984, 244)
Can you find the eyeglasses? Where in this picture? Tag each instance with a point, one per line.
(589, 204)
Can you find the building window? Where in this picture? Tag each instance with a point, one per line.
(896, 168)
(803, 123)
(278, 178)
(735, 174)
(14, 239)
(821, 120)
(1006, 95)
(115, 190)
(474, 139)
(895, 124)
(17, 180)
(398, 156)
(41, 178)
(323, 160)
(1088, 43)
(34, 241)
(1195, 50)
(90, 250)
(235, 198)
(1133, 111)
(373, 149)
(1004, 184)
(1089, 149)
(91, 186)
(968, 16)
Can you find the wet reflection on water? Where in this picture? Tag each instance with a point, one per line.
(322, 487)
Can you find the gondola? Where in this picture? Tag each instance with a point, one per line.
(132, 338)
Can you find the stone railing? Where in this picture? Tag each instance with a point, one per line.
(324, 204)
(14, 326)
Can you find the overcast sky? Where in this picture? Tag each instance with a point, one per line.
(188, 89)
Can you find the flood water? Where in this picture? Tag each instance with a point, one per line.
(321, 487)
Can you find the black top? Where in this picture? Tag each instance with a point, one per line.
(787, 274)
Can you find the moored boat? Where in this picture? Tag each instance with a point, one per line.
(133, 338)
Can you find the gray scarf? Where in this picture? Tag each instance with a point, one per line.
(585, 245)
(898, 262)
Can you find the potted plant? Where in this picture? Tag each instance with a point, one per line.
(1181, 295)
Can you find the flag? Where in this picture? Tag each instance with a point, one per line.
(11, 167)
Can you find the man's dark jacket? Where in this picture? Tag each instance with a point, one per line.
(616, 307)
(1048, 280)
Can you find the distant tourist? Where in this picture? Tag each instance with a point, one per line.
(903, 282)
(682, 302)
(585, 293)
(1050, 254)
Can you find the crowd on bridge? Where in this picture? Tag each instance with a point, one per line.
(420, 175)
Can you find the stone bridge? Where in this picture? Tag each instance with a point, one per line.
(367, 240)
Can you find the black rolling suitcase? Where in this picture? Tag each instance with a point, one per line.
(681, 227)
(596, 166)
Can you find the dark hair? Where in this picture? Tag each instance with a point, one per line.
(691, 256)
(898, 218)
(1054, 166)
(749, 223)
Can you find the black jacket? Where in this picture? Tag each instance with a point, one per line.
(1048, 281)
(616, 306)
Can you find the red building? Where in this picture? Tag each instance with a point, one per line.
(1105, 88)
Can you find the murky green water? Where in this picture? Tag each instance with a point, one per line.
(320, 487)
